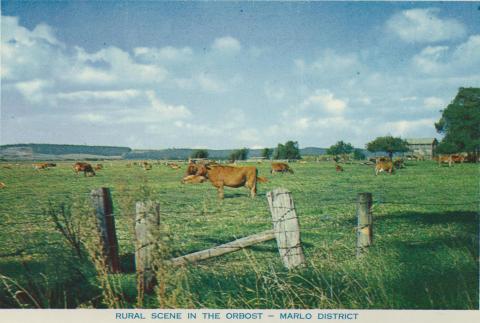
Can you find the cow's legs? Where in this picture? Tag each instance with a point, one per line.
(220, 191)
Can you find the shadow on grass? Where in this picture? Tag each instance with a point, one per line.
(467, 218)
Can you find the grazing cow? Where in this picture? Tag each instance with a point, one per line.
(384, 166)
(231, 176)
(2, 185)
(280, 168)
(98, 166)
(458, 159)
(338, 168)
(444, 159)
(173, 166)
(399, 163)
(39, 166)
(146, 165)
(193, 179)
(196, 169)
(86, 168)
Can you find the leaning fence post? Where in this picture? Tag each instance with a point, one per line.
(286, 227)
(102, 203)
(147, 225)
(364, 222)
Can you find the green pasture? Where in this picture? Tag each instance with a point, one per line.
(425, 253)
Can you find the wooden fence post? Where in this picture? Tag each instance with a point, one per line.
(286, 227)
(364, 222)
(147, 225)
(102, 203)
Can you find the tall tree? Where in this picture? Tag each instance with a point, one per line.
(358, 154)
(279, 152)
(340, 148)
(388, 144)
(288, 151)
(266, 153)
(460, 123)
(292, 151)
(199, 153)
(239, 154)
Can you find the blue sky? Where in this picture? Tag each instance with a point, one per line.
(231, 74)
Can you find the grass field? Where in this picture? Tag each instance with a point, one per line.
(425, 253)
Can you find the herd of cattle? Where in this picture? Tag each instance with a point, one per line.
(239, 176)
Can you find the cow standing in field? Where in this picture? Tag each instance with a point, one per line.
(458, 159)
(174, 166)
(86, 168)
(384, 166)
(230, 176)
(399, 163)
(147, 166)
(39, 166)
(281, 168)
(444, 159)
(196, 169)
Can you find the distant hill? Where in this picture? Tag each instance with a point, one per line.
(185, 153)
(79, 152)
(51, 151)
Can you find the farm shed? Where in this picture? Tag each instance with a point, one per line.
(422, 146)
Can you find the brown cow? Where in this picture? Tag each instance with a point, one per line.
(338, 168)
(399, 163)
(231, 176)
(458, 159)
(173, 166)
(146, 165)
(384, 166)
(196, 169)
(280, 168)
(444, 159)
(39, 166)
(86, 168)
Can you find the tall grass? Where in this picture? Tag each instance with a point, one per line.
(425, 252)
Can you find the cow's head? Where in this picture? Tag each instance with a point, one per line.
(193, 179)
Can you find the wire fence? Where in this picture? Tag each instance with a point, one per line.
(40, 219)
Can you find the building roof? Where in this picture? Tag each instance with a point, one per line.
(421, 141)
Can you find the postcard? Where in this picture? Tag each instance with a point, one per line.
(261, 161)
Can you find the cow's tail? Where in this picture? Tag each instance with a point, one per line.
(262, 179)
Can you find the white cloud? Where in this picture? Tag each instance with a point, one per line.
(468, 53)
(424, 25)
(226, 44)
(331, 64)
(433, 102)
(326, 102)
(111, 96)
(209, 83)
(91, 117)
(463, 59)
(164, 54)
(33, 91)
(407, 128)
